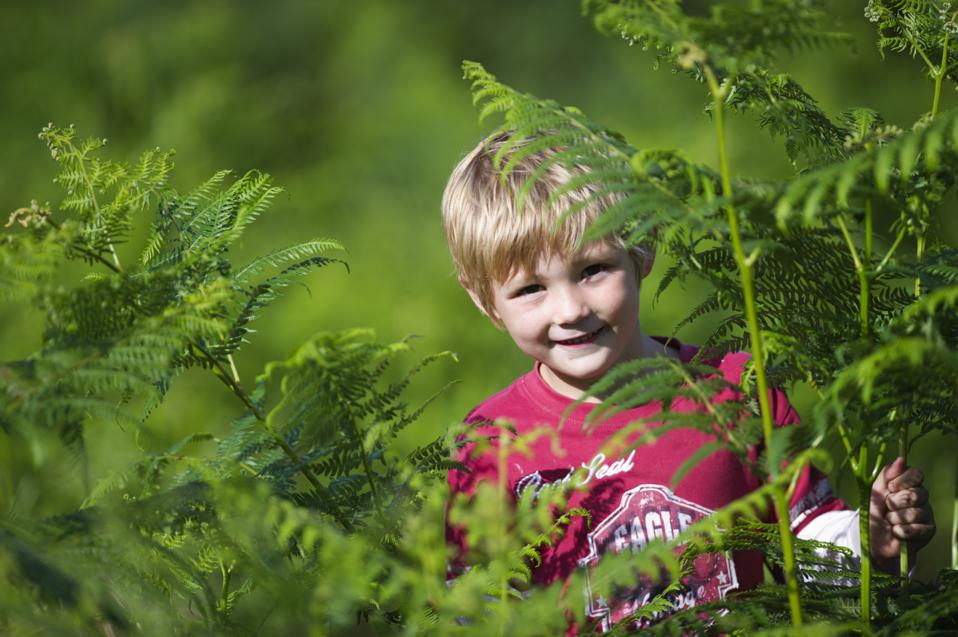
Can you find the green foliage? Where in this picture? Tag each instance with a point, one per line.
(793, 265)
(302, 517)
(165, 545)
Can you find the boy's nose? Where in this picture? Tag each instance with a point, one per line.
(570, 307)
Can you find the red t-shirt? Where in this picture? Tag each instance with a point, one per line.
(628, 497)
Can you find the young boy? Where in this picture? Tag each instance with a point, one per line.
(575, 310)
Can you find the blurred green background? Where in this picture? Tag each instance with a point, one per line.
(359, 111)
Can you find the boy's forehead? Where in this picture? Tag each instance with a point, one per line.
(598, 249)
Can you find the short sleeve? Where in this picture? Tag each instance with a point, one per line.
(813, 493)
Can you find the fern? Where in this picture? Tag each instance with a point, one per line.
(780, 256)
(303, 514)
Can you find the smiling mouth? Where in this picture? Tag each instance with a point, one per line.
(582, 340)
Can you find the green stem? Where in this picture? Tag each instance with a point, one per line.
(939, 75)
(93, 255)
(758, 355)
(903, 553)
(369, 470)
(931, 67)
(227, 378)
(954, 526)
(861, 269)
(878, 460)
(919, 254)
(903, 557)
(788, 553)
(233, 369)
(225, 572)
(231, 381)
(848, 446)
(864, 503)
(865, 273)
(892, 249)
(96, 205)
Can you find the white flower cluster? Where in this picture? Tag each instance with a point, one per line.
(949, 20)
(873, 11)
(628, 37)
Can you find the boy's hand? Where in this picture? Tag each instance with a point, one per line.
(899, 511)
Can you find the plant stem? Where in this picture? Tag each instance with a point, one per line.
(864, 503)
(758, 355)
(903, 557)
(225, 572)
(919, 253)
(93, 255)
(861, 266)
(369, 471)
(954, 526)
(848, 446)
(233, 369)
(96, 205)
(231, 379)
(227, 378)
(891, 250)
(939, 75)
(865, 274)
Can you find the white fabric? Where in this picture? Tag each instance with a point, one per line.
(841, 529)
(838, 527)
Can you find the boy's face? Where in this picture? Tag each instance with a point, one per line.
(578, 316)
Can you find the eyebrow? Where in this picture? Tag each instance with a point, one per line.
(519, 282)
(597, 255)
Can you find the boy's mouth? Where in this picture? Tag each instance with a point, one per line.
(582, 340)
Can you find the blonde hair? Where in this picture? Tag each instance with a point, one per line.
(490, 237)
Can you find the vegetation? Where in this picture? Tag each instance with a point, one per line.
(305, 516)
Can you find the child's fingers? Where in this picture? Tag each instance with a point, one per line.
(911, 515)
(911, 477)
(913, 531)
(905, 498)
(888, 474)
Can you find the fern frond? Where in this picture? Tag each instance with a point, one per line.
(645, 196)
(825, 191)
(279, 258)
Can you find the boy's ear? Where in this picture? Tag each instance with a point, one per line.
(494, 317)
(646, 257)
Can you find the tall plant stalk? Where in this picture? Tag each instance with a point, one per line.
(745, 264)
(938, 73)
(231, 380)
(864, 511)
(954, 527)
(864, 477)
(864, 474)
(904, 560)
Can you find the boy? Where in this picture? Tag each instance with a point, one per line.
(575, 310)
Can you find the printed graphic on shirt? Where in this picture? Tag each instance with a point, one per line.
(598, 468)
(647, 512)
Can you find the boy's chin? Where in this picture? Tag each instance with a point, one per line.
(564, 381)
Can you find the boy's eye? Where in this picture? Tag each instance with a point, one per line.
(594, 269)
(529, 289)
